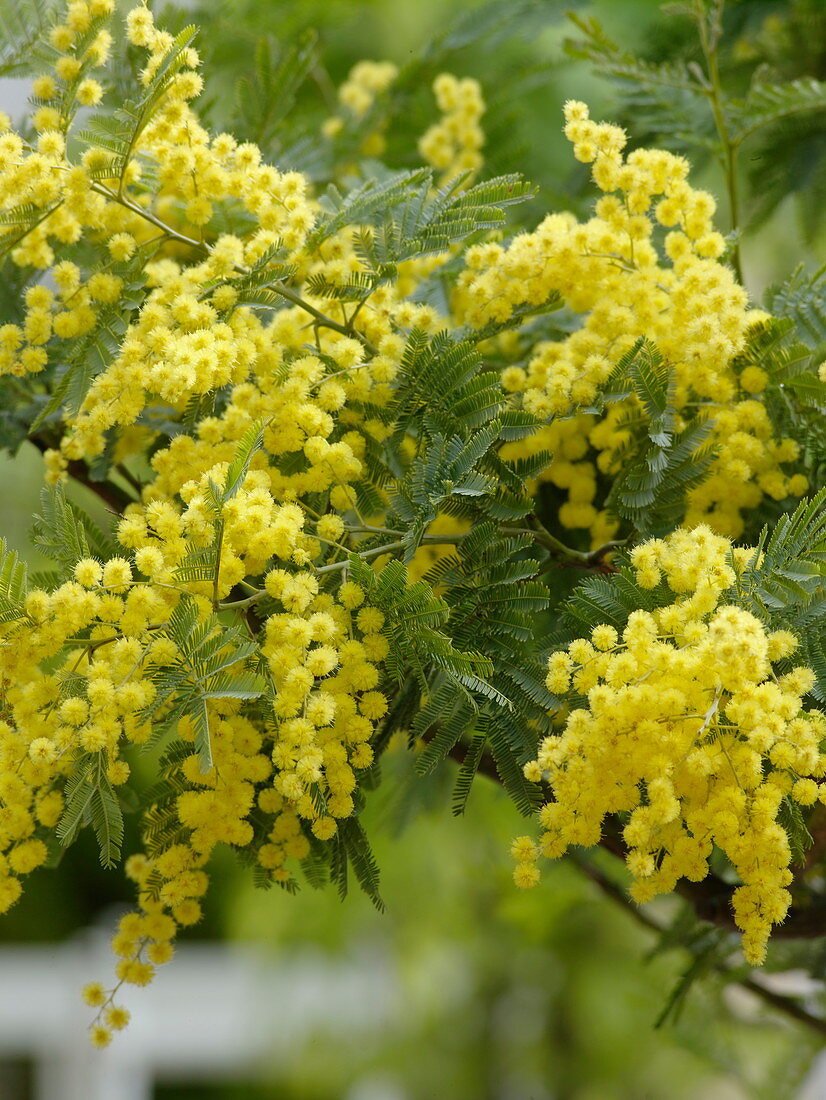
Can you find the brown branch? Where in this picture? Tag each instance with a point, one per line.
(112, 495)
(778, 1001)
(710, 898)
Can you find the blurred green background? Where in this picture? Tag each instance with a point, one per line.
(545, 995)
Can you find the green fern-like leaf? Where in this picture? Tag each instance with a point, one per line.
(786, 579)
(91, 799)
(238, 469)
(13, 584)
(467, 773)
(65, 533)
(364, 204)
(212, 663)
(768, 103)
(425, 222)
(666, 98)
(24, 31)
(268, 94)
(802, 299)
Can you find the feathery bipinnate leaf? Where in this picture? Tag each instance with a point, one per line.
(768, 103)
(446, 470)
(367, 203)
(443, 379)
(430, 221)
(90, 799)
(212, 663)
(667, 98)
(659, 464)
(201, 563)
(414, 618)
(24, 32)
(260, 286)
(13, 584)
(267, 94)
(65, 533)
(802, 298)
(238, 469)
(785, 582)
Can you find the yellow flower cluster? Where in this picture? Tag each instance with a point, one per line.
(689, 732)
(365, 83)
(453, 144)
(610, 269)
(297, 773)
(89, 703)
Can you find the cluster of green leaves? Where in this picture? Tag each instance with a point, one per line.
(13, 584)
(23, 34)
(212, 662)
(659, 463)
(91, 799)
(65, 533)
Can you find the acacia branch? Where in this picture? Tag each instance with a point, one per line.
(708, 899)
(112, 495)
(778, 1001)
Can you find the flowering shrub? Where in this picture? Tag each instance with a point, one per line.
(344, 434)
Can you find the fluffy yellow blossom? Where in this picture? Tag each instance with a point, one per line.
(452, 145)
(688, 732)
(685, 301)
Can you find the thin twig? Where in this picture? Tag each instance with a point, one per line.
(778, 1001)
(714, 91)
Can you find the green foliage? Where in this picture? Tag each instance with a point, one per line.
(794, 822)
(13, 584)
(789, 349)
(606, 599)
(23, 31)
(368, 203)
(492, 603)
(418, 646)
(802, 299)
(814, 653)
(786, 578)
(659, 463)
(668, 98)
(447, 470)
(441, 379)
(429, 220)
(408, 218)
(768, 103)
(260, 286)
(352, 849)
(267, 95)
(238, 469)
(91, 799)
(212, 663)
(66, 534)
